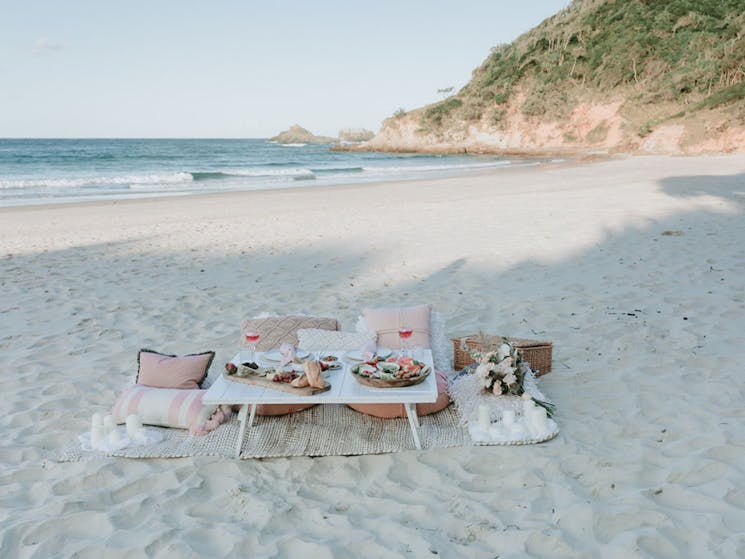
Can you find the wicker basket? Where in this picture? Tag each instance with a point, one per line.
(537, 353)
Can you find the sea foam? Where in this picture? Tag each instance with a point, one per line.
(82, 182)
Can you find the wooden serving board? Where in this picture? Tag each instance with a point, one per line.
(281, 386)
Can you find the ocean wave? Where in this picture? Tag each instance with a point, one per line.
(332, 170)
(126, 180)
(439, 167)
(258, 172)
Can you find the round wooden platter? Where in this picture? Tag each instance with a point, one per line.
(375, 382)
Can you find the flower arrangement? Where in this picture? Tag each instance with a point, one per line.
(502, 370)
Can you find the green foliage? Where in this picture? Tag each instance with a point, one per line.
(533, 106)
(689, 52)
(498, 116)
(435, 113)
(724, 96)
(646, 128)
(399, 112)
(598, 134)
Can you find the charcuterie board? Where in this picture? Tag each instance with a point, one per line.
(281, 386)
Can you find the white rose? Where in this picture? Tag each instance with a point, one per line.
(503, 351)
(483, 370)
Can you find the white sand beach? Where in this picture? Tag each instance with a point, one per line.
(633, 267)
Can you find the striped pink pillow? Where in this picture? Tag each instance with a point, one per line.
(169, 371)
(166, 407)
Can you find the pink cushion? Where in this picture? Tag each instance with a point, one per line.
(277, 330)
(386, 323)
(389, 411)
(167, 407)
(281, 409)
(169, 371)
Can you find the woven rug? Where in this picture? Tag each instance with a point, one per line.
(327, 430)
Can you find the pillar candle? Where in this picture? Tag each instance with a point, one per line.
(528, 411)
(528, 406)
(133, 426)
(484, 417)
(508, 418)
(540, 419)
(108, 424)
(115, 437)
(98, 436)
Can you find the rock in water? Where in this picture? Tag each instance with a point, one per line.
(296, 134)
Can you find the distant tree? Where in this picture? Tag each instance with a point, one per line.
(399, 112)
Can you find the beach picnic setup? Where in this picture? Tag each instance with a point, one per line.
(299, 385)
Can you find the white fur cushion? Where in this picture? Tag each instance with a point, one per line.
(315, 339)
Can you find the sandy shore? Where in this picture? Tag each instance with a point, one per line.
(633, 267)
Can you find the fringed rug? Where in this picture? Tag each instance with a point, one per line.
(323, 430)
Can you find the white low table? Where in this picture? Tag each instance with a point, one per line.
(344, 390)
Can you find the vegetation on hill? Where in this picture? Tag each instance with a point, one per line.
(666, 59)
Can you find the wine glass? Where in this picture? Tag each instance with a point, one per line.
(251, 339)
(404, 333)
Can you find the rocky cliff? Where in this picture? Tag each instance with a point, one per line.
(616, 75)
(355, 135)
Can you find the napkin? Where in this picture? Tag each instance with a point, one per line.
(287, 351)
(368, 350)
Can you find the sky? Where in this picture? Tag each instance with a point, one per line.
(238, 69)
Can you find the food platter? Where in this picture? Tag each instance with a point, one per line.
(393, 373)
(357, 355)
(275, 379)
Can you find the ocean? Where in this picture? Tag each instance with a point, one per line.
(41, 171)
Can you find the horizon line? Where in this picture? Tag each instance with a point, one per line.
(132, 138)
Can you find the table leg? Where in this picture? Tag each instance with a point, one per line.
(242, 416)
(252, 416)
(413, 423)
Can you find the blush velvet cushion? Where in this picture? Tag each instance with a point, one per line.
(386, 322)
(276, 330)
(170, 371)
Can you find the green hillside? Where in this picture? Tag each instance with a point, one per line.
(666, 59)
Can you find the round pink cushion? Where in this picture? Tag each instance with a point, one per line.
(281, 409)
(276, 409)
(389, 411)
